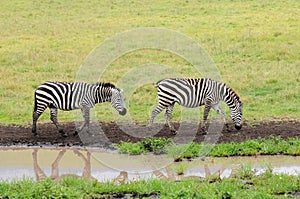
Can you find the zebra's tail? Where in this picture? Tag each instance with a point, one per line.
(35, 103)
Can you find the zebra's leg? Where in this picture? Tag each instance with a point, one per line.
(155, 111)
(35, 117)
(221, 112)
(205, 115)
(168, 117)
(53, 117)
(86, 116)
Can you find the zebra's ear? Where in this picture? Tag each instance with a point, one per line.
(241, 104)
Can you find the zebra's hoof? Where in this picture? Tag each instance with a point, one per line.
(89, 133)
(203, 128)
(34, 132)
(174, 132)
(64, 134)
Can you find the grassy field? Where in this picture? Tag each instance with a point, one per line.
(245, 185)
(254, 44)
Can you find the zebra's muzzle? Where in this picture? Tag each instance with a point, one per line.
(123, 111)
(238, 127)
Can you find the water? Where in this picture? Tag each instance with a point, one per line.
(38, 163)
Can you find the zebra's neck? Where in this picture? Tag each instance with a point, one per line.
(103, 94)
(230, 97)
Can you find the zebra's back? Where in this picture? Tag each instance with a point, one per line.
(61, 95)
(186, 92)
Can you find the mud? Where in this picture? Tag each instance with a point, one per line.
(112, 133)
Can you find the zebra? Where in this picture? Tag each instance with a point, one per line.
(192, 93)
(74, 95)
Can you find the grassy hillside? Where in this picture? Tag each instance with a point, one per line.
(254, 44)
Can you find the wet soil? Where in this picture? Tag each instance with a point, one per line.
(114, 133)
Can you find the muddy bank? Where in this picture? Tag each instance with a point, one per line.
(113, 133)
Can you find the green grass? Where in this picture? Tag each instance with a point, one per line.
(260, 146)
(150, 144)
(271, 146)
(254, 44)
(244, 185)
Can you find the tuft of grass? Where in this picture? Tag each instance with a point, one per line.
(246, 173)
(150, 144)
(130, 148)
(155, 144)
(176, 151)
(179, 169)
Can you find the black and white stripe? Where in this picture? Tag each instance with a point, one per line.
(197, 92)
(76, 95)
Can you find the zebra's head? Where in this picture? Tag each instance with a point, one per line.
(117, 101)
(237, 115)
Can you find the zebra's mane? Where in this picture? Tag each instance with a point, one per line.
(233, 93)
(104, 84)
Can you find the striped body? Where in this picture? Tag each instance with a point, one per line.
(196, 92)
(67, 96)
(189, 93)
(78, 95)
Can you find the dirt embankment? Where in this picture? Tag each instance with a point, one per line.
(48, 135)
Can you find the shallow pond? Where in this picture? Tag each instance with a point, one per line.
(38, 163)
